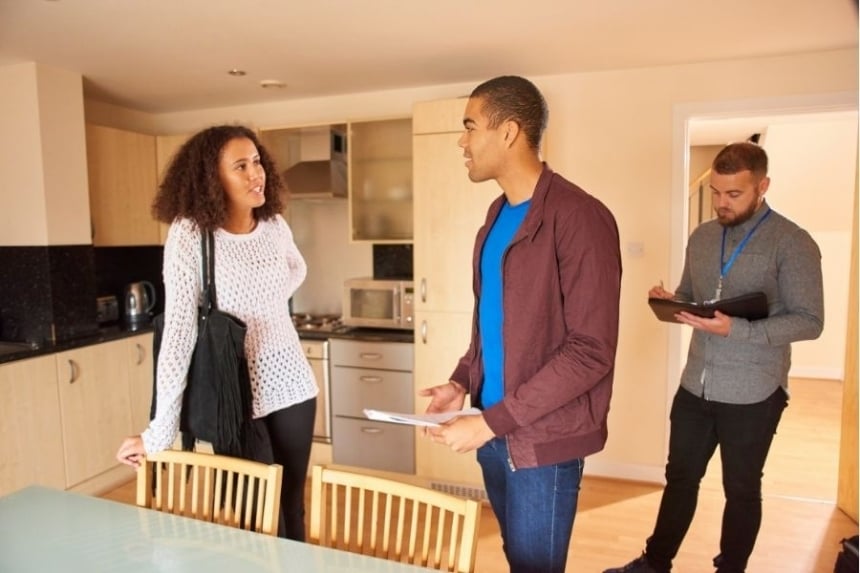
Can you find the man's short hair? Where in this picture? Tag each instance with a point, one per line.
(743, 156)
(516, 99)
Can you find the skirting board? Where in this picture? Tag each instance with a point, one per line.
(632, 472)
(819, 373)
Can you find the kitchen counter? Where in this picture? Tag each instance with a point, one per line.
(12, 351)
(360, 333)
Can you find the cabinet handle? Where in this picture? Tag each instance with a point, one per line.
(370, 355)
(372, 379)
(368, 430)
(73, 371)
(140, 353)
(423, 290)
(424, 331)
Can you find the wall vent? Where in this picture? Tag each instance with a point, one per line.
(466, 491)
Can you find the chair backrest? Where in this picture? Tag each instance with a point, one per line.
(220, 489)
(393, 520)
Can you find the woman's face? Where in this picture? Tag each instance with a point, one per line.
(242, 175)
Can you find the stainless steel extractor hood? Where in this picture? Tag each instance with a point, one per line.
(321, 178)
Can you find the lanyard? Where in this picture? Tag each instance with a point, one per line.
(724, 267)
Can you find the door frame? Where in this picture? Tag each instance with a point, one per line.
(685, 113)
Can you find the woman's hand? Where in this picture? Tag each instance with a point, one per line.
(131, 451)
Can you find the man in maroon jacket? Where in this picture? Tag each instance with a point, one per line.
(547, 274)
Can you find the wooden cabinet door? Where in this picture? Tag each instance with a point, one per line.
(94, 401)
(31, 439)
(449, 210)
(380, 197)
(440, 340)
(122, 179)
(140, 375)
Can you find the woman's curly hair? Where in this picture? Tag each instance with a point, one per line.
(192, 189)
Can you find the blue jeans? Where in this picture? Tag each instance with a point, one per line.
(744, 433)
(535, 508)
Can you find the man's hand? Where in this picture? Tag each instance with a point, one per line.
(463, 433)
(659, 292)
(445, 397)
(721, 324)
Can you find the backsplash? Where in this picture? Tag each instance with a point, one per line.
(116, 267)
(48, 293)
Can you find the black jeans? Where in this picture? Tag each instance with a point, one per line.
(284, 437)
(744, 433)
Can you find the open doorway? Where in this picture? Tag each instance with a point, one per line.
(805, 456)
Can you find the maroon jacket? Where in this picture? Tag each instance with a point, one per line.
(561, 285)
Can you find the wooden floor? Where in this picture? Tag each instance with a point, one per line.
(801, 527)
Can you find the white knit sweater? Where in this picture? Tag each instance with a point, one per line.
(255, 275)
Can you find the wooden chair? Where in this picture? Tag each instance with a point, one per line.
(394, 520)
(220, 489)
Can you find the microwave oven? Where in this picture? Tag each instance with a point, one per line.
(378, 303)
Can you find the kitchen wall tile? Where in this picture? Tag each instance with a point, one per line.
(116, 267)
(25, 294)
(73, 290)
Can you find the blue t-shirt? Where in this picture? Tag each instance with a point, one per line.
(490, 309)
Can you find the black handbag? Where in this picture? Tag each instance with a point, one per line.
(216, 404)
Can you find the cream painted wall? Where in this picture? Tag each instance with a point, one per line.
(812, 168)
(322, 235)
(43, 157)
(612, 133)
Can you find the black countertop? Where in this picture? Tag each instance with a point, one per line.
(363, 334)
(12, 351)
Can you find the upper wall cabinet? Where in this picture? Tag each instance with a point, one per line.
(122, 176)
(370, 162)
(311, 160)
(381, 181)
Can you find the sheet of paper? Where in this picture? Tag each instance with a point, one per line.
(417, 419)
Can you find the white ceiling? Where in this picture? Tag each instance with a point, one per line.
(171, 55)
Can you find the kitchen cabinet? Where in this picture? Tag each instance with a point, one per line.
(380, 198)
(374, 375)
(95, 407)
(441, 338)
(138, 351)
(449, 209)
(122, 182)
(31, 439)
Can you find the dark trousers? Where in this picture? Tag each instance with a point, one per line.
(744, 433)
(284, 437)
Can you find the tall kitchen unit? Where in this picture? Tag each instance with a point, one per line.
(448, 209)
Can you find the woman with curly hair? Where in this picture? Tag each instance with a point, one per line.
(222, 180)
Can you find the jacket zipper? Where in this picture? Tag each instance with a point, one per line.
(510, 459)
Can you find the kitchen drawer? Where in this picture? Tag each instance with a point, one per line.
(374, 445)
(379, 355)
(354, 389)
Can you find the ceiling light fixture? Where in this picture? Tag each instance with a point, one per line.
(272, 84)
(236, 72)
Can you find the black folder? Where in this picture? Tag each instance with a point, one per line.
(752, 306)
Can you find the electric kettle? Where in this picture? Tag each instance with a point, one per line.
(139, 301)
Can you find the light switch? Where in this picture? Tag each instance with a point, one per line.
(635, 249)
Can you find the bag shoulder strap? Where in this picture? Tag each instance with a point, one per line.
(207, 256)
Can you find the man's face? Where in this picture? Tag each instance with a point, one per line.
(483, 146)
(736, 196)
